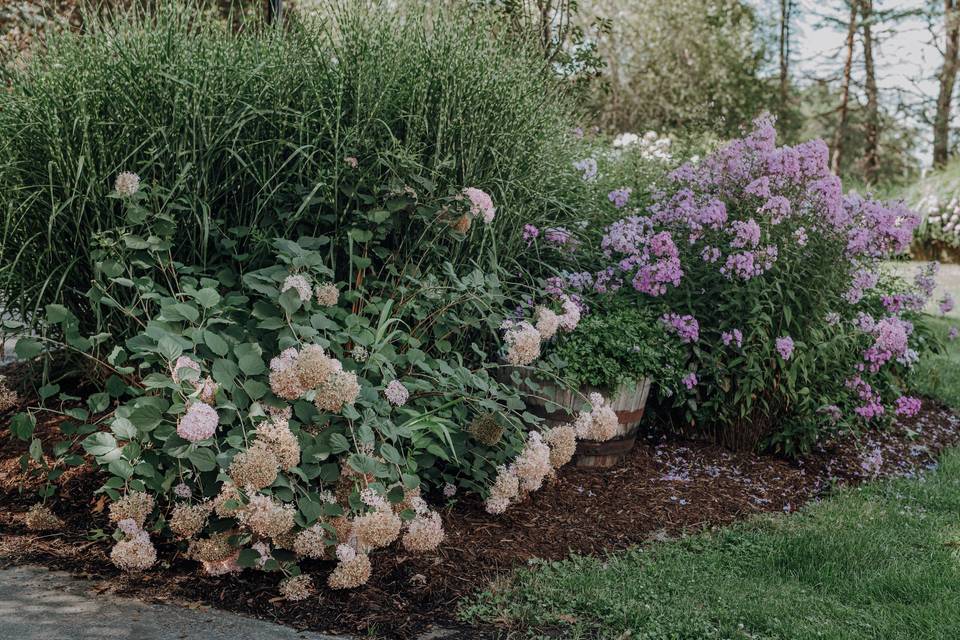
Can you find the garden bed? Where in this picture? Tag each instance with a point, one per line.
(673, 486)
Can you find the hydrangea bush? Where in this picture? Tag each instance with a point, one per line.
(263, 418)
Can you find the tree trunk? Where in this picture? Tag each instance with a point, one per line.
(871, 156)
(785, 8)
(948, 74)
(844, 109)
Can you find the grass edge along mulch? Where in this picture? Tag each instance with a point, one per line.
(877, 561)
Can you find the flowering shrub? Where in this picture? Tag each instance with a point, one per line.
(772, 280)
(261, 418)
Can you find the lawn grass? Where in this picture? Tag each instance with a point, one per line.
(938, 376)
(881, 561)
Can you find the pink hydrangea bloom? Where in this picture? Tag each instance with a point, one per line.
(396, 393)
(198, 423)
(481, 204)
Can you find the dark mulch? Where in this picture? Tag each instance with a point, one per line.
(664, 488)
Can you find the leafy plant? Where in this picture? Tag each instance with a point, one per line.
(613, 347)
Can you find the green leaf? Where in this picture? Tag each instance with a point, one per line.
(251, 364)
(48, 390)
(339, 443)
(310, 510)
(188, 311)
(208, 298)
(390, 454)
(57, 313)
(225, 373)
(248, 558)
(101, 444)
(98, 402)
(36, 450)
(121, 467)
(203, 459)
(27, 349)
(145, 417)
(217, 344)
(123, 428)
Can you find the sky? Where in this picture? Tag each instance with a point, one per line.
(906, 58)
(905, 50)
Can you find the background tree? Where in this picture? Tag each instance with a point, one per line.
(690, 64)
(871, 161)
(946, 78)
(843, 110)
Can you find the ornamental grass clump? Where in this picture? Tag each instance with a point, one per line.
(276, 132)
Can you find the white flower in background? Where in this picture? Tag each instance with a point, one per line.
(625, 140)
(127, 184)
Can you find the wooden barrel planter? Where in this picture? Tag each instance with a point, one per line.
(628, 402)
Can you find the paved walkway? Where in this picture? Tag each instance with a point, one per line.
(38, 604)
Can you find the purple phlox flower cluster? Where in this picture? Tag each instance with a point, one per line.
(953, 333)
(832, 412)
(734, 336)
(800, 236)
(746, 234)
(554, 286)
(896, 303)
(759, 187)
(690, 380)
(785, 347)
(620, 197)
(749, 264)
(925, 279)
(864, 322)
(530, 233)
(908, 406)
(652, 258)
(587, 168)
(947, 303)
(872, 463)
(710, 254)
(561, 237)
(891, 335)
(879, 228)
(777, 208)
(832, 318)
(685, 327)
(863, 280)
(872, 406)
